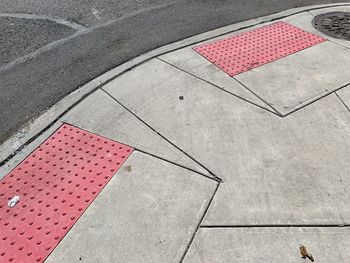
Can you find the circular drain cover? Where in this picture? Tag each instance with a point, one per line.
(335, 24)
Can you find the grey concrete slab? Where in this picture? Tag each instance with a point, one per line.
(273, 245)
(344, 95)
(158, 72)
(296, 80)
(193, 63)
(148, 212)
(100, 114)
(275, 170)
(296, 172)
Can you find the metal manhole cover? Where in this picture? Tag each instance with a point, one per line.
(334, 24)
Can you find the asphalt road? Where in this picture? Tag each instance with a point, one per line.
(21, 36)
(33, 85)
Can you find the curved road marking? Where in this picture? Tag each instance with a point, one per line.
(73, 25)
(79, 28)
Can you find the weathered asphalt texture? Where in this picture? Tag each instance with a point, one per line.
(33, 86)
(85, 12)
(20, 36)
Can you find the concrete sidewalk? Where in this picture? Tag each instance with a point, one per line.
(225, 169)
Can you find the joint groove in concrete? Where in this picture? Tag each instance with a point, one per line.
(275, 225)
(216, 179)
(162, 136)
(314, 101)
(220, 88)
(342, 101)
(198, 226)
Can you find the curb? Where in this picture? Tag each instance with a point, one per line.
(47, 120)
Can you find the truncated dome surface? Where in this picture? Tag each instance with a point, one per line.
(252, 49)
(56, 184)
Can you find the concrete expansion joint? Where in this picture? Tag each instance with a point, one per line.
(275, 111)
(265, 102)
(279, 226)
(214, 178)
(222, 89)
(342, 101)
(200, 222)
(318, 99)
(159, 134)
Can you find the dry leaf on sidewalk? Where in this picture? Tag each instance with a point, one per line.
(305, 254)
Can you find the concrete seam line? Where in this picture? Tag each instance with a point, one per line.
(67, 23)
(30, 131)
(222, 89)
(252, 92)
(216, 179)
(342, 101)
(160, 135)
(278, 225)
(315, 100)
(199, 224)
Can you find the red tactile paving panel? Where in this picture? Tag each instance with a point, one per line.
(252, 49)
(56, 184)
